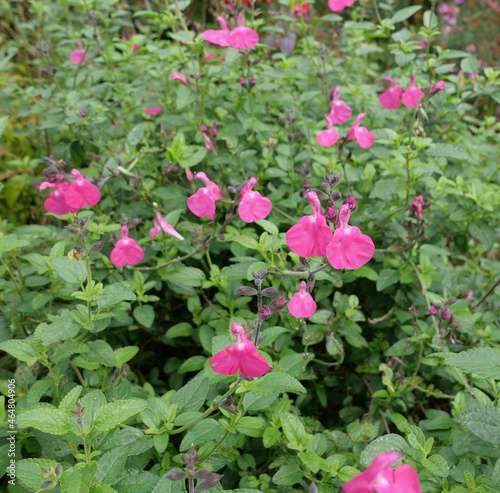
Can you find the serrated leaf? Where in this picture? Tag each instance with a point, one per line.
(124, 354)
(483, 422)
(29, 473)
(405, 13)
(277, 382)
(386, 443)
(268, 226)
(48, 419)
(74, 272)
(114, 293)
(77, 479)
(295, 433)
(436, 465)
(448, 150)
(483, 361)
(20, 349)
(115, 413)
(206, 430)
(70, 399)
(192, 396)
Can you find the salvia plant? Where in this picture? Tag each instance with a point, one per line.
(249, 246)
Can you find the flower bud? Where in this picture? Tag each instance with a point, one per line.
(446, 315)
(433, 310)
(247, 291)
(278, 303)
(270, 292)
(469, 294)
(264, 313)
(331, 214)
(351, 202)
(243, 81)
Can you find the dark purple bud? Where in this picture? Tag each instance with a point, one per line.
(334, 196)
(325, 186)
(48, 485)
(270, 292)
(290, 137)
(247, 291)
(84, 233)
(176, 475)
(96, 246)
(134, 222)
(58, 470)
(71, 229)
(191, 457)
(450, 301)
(278, 303)
(264, 313)
(208, 483)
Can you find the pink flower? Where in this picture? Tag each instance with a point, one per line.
(209, 56)
(302, 304)
(241, 357)
(253, 206)
(364, 137)
(202, 203)
(339, 5)
(221, 37)
(81, 192)
(446, 314)
(126, 251)
(209, 145)
(417, 205)
(79, 56)
(310, 237)
(438, 86)
(152, 111)
(469, 294)
(391, 97)
(181, 78)
(349, 249)
(160, 224)
(433, 310)
(328, 137)
(412, 94)
(82, 113)
(339, 111)
(189, 174)
(379, 477)
(242, 37)
(56, 202)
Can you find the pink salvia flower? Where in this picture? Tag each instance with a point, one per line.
(438, 86)
(253, 206)
(391, 98)
(160, 224)
(79, 56)
(241, 357)
(242, 37)
(310, 237)
(202, 203)
(209, 145)
(209, 56)
(152, 111)
(362, 135)
(302, 304)
(380, 478)
(339, 5)
(181, 78)
(339, 111)
(412, 94)
(81, 192)
(220, 37)
(56, 201)
(126, 251)
(328, 137)
(418, 205)
(349, 249)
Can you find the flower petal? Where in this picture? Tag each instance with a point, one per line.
(349, 248)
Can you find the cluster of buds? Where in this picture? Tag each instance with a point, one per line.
(446, 319)
(79, 227)
(209, 479)
(248, 84)
(209, 132)
(416, 212)
(417, 206)
(50, 476)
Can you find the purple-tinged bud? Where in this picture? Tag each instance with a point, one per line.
(469, 294)
(243, 81)
(438, 86)
(446, 314)
(191, 457)
(253, 81)
(278, 303)
(433, 310)
(204, 128)
(331, 214)
(214, 132)
(82, 113)
(264, 313)
(176, 475)
(351, 202)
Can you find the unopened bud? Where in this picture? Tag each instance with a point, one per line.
(446, 315)
(433, 310)
(264, 313)
(351, 202)
(331, 214)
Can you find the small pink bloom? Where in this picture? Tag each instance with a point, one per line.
(152, 111)
(446, 314)
(189, 175)
(160, 224)
(81, 192)
(79, 56)
(349, 249)
(351, 202)
(220, 37)
(339, 111)
(202, 203)
(243, 81)
(364, 137)
(438, 86)
(391, 97)
(339, 5)
(469, 294)
(412, 94)
(417, 206)
(181, 78)
(119, 7)
(331, 214)
(242, 37)
(56, 202)
(209, 56)
(209, 145)
(305, 184)
(253, 206)
(310, 237)
(302, 304)
(82, 113)
(126, 251)
(241, 357)
(433, 310)
(379, 477)
(328, 137)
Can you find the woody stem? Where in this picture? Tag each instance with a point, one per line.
(259, 307)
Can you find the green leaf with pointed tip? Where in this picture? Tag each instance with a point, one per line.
(115, 413)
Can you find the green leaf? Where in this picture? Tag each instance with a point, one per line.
(405, 13)
(145, 315)
(430, 20)
(124, 354)
(77, 479)
(386, 443)
(383, 188)
(288, 475)
(29, 473)
(251, 426)
(115, 413)
(48, 419)
(114, 293)
(66, 349)
(386, 278)
(313, 461)
(136, 134)
(100, 352)
(74, 272)
(187, 276)
(448, 150)
(192, 396)
(483, 422)
(268, 226)
(483, 361)
(70, 399)
(295, 433)
(276, 382)
(469, 64)
(436, 465)
(182, 329)
(21, 349)
(202, 432)
(3, 123)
